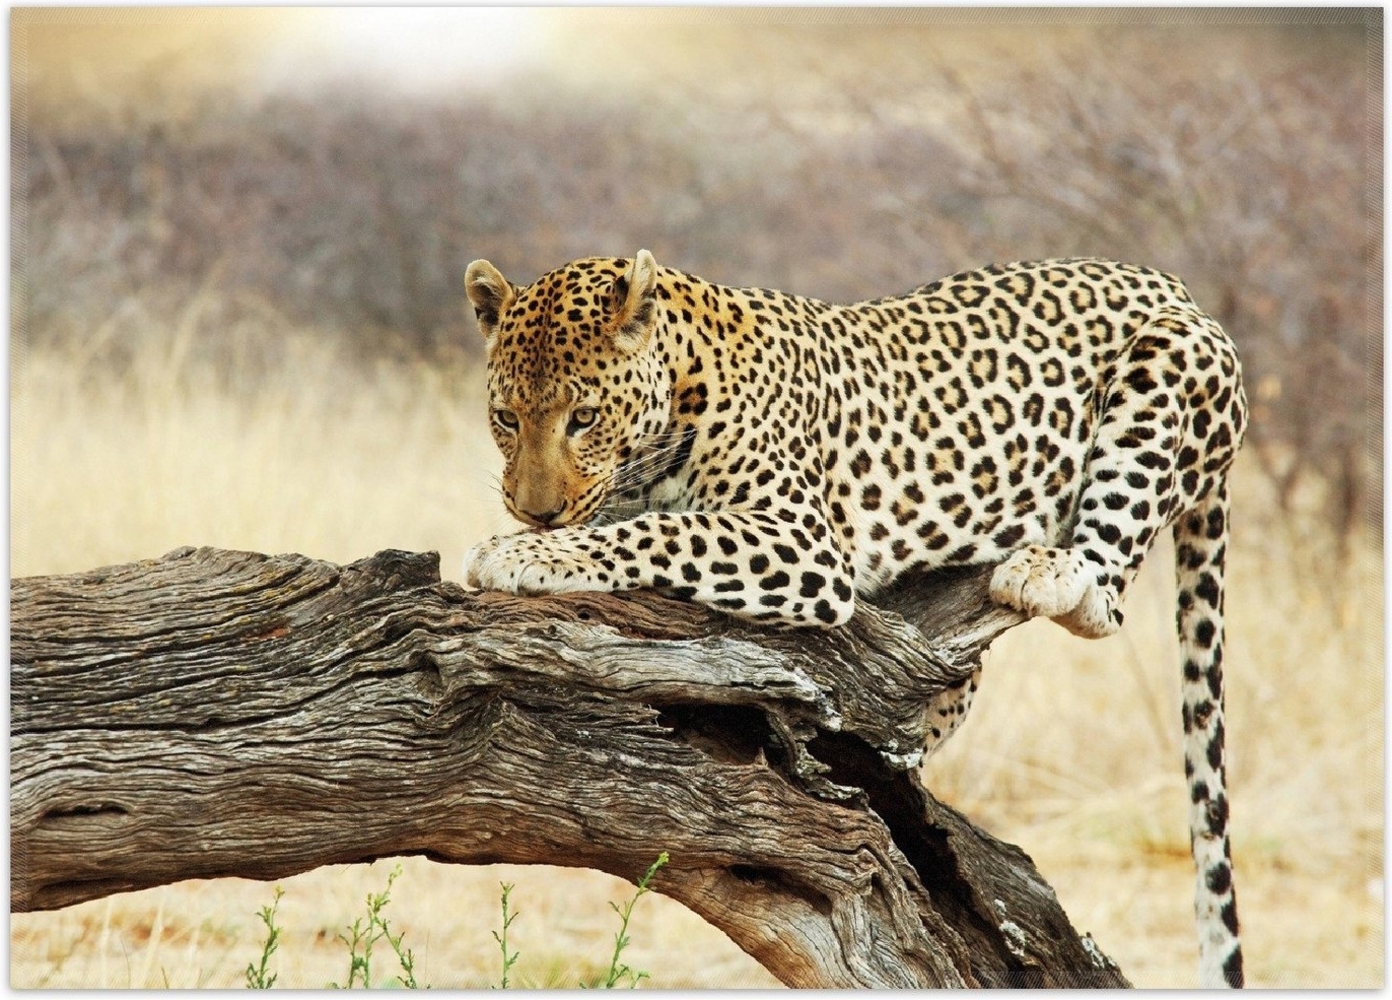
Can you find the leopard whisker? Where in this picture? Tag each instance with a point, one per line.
(649, 458)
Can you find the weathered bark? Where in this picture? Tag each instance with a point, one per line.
(217, 713)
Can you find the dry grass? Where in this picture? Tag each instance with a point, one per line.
(203, 933)
(321, 457)
(1071, 751)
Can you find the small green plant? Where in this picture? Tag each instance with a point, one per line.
(360, 940)
(256, 977)
(617, 969)
(508, 917)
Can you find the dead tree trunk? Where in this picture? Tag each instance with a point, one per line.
(217, 713)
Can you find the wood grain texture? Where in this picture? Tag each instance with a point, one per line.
(216, 713)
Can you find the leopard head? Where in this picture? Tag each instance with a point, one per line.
(576, 384)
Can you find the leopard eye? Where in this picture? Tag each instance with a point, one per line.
(581, 418)
(506, 419)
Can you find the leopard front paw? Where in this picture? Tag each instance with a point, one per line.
(469, 568)
(529, 563)
(506, 563)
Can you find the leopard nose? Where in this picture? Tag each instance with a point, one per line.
(543, 519)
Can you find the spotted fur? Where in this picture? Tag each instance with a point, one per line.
(776, 456)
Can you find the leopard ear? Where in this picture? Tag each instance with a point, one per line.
(490, 293)
(633, 304)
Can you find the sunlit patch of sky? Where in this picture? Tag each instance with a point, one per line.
(411, 50)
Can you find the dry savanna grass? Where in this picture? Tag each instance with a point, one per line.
(1072, 749)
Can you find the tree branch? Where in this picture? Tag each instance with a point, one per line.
(217, 713)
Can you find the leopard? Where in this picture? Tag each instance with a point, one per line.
(779, 458)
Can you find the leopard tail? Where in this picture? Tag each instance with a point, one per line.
(1201, 539)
